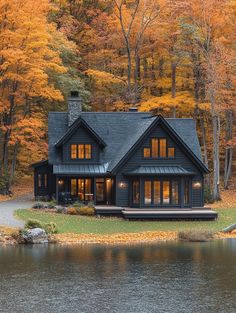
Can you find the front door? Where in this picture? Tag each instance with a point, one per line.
(104, 191)
(100, 191)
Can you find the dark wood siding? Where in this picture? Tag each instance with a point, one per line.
(137, 159)
(48, 190)
(81, 136)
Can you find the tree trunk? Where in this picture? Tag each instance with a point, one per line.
(13, 165)
(228, 149)
(173, 86)
(216, 159)
(136, 78)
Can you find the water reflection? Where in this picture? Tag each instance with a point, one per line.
(149, 278)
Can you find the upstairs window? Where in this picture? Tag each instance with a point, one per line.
(81, 151)
(158, 149)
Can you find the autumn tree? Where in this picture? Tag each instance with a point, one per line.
(28, 56)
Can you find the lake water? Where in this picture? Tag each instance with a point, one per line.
(170, 277)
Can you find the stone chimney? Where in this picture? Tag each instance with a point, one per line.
(74, 107)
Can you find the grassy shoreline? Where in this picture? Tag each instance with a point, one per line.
(111, 225)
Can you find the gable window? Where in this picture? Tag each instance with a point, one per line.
(81, 151)
(171, 152)
(147, 152)
(162, 148)
(159, 149)
(154, 147)
(73, 151)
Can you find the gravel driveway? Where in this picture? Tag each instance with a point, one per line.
(7, 209)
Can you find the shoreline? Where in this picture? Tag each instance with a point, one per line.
(8, 237)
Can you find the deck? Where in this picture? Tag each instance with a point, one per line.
(203, 213)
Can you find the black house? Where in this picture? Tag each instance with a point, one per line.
(124, 159)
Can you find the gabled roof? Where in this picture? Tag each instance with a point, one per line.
(120, 131)
(134, 142)
(73, 128)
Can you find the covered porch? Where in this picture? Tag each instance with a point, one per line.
(84, 183)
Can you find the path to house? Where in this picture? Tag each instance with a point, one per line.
(7, 209)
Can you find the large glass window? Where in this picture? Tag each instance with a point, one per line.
(80, 151)
(82, 188)
(162, 148)
(73, 182)
(186, 192)
(157, 192)
(136, 192)
(175, 192)
(166, 192)
(147, 192)
(161, 192)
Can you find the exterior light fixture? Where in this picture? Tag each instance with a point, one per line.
(60, 182)
(122, 185)
(197, 185)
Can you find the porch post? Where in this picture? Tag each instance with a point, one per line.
(94, 190)
(140, 191)
(181, 192)
(56, 189)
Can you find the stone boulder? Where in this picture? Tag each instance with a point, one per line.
(35, 235)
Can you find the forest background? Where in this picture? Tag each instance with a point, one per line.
(175, 58)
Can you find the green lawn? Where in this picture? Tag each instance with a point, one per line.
(107, 225)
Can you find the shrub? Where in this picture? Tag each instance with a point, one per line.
(72, 211)
(195, 236)
(60, 209)
(38, 205)
(52, 204)
(91, 204)
(31, 223)
(78, 204)
(51, 228)
(208, 198)
(86, 211)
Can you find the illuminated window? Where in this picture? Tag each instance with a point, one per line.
(88, 151)
(157, 191)
(73, 151)
(175, 192)
(166, 192)
(154, 147)
(171, 152)
(81, 151)
(186, 192)
(73, 186)
(88, 189)
(146, 152)
(136, 193)
(45, 180)
(147, 192)
(39, 180)
(162, 148)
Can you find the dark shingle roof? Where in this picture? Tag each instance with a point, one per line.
(120, 131)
